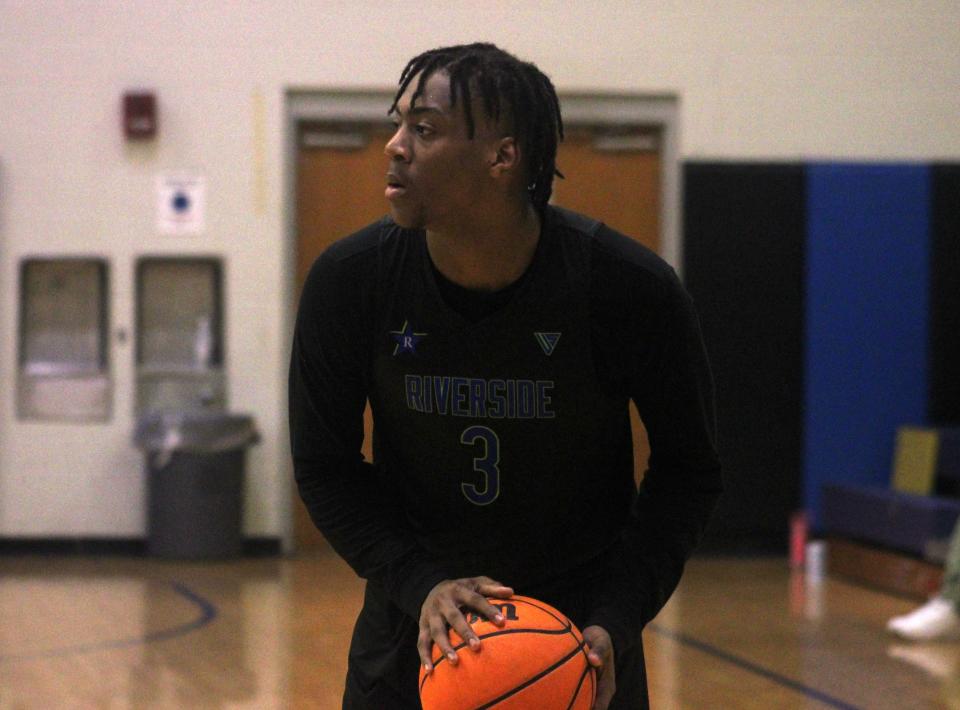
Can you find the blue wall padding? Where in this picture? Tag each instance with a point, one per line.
(866, 320)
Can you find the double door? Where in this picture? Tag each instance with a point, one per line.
(610, 175)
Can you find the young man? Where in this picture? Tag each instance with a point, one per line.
(499, 341)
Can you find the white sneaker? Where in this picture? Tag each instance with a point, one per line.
(936, 620)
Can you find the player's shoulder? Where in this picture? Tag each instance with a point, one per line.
(352, 257)
(361, 244)
(616, 258)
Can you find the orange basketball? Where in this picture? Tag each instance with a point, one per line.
(537, 660)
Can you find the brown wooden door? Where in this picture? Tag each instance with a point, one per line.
(340, 183)
(615, 178)
(340, 179)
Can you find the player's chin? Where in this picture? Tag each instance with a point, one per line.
(406, 217)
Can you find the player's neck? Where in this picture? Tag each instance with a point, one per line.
(490, 253)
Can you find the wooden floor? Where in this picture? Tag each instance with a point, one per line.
(273, 633)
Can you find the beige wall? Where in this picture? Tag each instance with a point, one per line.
(776, 80)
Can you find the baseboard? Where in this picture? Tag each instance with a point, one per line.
(883, 569)
(113, 546)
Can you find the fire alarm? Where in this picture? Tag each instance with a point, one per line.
(139, 115)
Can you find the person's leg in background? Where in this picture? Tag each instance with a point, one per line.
(939, 618)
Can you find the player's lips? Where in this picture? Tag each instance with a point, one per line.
(395, 186)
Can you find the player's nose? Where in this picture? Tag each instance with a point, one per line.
(396, 148)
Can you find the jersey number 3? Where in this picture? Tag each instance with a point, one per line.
(487, 465)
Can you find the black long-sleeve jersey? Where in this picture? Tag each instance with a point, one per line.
(502, 445)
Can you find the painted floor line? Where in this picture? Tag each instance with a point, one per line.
(751, 667)
(208, 612)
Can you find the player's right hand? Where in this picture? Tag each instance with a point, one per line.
(443, 609)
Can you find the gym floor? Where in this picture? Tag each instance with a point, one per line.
(126, 632)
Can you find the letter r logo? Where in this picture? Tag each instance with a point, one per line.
(406, 339)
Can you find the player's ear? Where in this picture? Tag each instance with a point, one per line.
(506, 158)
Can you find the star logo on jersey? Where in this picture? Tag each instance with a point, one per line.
(406, 339)
(548, 341)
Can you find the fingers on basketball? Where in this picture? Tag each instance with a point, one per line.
(538, 658)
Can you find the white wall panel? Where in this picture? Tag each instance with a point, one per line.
(775, 80)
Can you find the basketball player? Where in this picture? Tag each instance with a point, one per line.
(499, 341)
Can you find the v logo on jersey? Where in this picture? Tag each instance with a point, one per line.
(548, 341)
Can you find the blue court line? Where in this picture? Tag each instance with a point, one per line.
(753, 668)
(208, 612)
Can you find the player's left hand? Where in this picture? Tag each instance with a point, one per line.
(600, 656)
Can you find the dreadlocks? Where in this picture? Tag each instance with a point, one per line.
(507, 86)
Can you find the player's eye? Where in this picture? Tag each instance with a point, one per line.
(423, 130)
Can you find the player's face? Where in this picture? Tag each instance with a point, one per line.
(436, 176)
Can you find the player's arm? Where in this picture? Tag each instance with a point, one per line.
(683, 481)
(327, 396)
(672, 386)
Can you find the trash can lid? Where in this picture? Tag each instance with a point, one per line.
(195, 431)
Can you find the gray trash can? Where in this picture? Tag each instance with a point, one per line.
(195, 466)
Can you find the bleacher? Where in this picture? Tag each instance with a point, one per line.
(896, 537)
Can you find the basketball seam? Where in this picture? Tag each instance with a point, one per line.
(458, 647)
(566, 623)
(576, 692)
(530, 681)
(563, 622)
(501, 632)
(581, 642)
(567, 629)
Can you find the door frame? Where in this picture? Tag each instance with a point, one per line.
(659, 112)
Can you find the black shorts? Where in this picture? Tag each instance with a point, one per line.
(383, 663)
